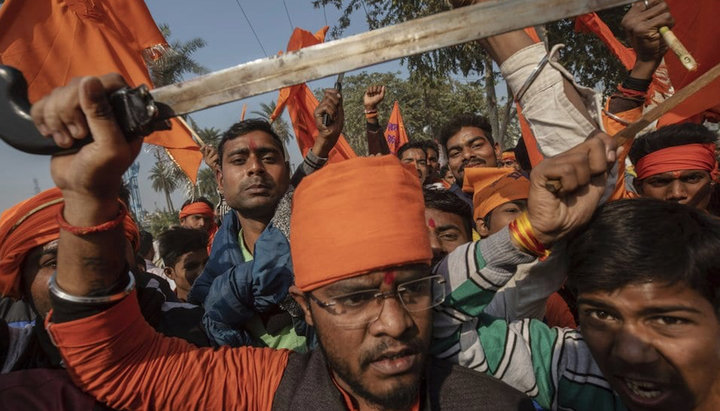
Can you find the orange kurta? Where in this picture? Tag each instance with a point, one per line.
(119, 359)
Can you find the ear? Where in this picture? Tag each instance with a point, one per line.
(219, 179)
(304, 302)
(169, 273)
(498, 152)
(481, 228)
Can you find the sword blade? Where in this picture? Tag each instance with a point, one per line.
(362, 50)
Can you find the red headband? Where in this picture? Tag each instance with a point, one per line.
(197, 208)
(685, 157)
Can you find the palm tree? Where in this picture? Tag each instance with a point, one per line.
(163, 176)
(177, 61)
(207, 186)
(209, 135)
(280, 126)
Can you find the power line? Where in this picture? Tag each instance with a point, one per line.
(251, 27)
(292, 26)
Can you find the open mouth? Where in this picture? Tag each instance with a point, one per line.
(397, 363)
(644, 392)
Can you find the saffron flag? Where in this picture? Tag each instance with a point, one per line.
(53, 41)
(301, 103)
(395, 132)
(695, 27)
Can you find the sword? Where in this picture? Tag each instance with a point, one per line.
(143, 111)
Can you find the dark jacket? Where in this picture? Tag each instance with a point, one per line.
(306, 384)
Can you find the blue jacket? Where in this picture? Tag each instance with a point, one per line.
(233, 290)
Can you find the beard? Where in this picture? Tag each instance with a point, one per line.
(400, 397)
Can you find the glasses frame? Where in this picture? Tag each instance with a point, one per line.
(381, 296)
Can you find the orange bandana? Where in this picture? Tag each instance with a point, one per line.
(197, 208)
(30, 224)
(493, 187)
(508, 155)
(354, 217)
(685, 157)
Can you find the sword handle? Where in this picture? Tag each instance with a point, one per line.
(326, 116)
(134, 110)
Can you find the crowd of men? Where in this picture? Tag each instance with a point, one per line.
(396, 281)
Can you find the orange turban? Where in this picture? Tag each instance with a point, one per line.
(354, 217)
(30, 224)
(23, 227)
(493, 187)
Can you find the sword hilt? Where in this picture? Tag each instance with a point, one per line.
(134, 110)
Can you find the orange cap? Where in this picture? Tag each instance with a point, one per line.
(354, 217)
(493, 187)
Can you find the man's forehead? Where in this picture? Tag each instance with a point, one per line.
(467, 134)
(414, 153)
(678, 173)
(253, 141)
(375, 278)
(50, 247)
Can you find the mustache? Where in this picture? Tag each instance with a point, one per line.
(261, 180)
(473, 161)
(387, 349)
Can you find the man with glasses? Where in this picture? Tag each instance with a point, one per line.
(360, 255)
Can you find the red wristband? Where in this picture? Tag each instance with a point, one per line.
(81, 231)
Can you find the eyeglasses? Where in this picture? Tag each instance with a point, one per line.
(359, 308)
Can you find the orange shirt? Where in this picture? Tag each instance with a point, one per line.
(612, 127)
(119, 359)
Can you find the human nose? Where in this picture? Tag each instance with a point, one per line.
(394, 319)
(255, 165)
(631, 347)
(677, 191)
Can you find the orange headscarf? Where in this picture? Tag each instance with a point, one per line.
(354, 217)
(493, 187)
(676, 158)
(197, 208)
(30, 224)
(23, 227)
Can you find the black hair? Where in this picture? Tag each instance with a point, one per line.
(431, 145)
(176, 241)
(465, 120)
(449, 202)
(443, 170)
(670, 136)
(244, 127)
(146, 243)
(197, 200)
(521, 155)
(408, 146)
(647, 240)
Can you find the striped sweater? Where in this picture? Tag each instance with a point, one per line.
(552, 365)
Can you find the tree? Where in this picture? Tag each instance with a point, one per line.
(163, 176)
(280, 126)
(425, 104)
(207, 185)
(174, 63)
(584, 55)
(159, 221)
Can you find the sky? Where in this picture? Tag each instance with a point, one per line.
(230, 41)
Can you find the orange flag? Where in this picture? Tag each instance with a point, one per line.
(55, 40)
(697, 29)
(301, 103)
(592, 23)
(395, 132)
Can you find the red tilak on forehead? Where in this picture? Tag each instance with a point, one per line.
(253, 146)
(431, 223)
(389, 277)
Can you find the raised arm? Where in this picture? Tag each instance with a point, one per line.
(109, 350)
(527, 354)
(377, 144)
